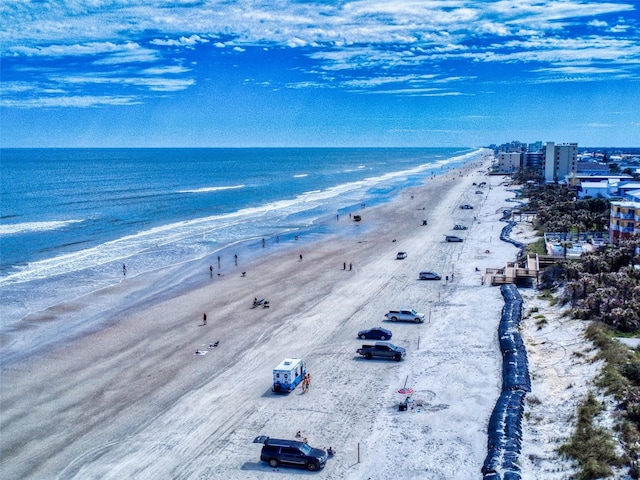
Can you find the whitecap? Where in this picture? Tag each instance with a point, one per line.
(29, 227)
(211, 189)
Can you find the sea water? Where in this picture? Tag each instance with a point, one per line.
(71, 218)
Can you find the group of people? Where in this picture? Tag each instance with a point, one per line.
(262, 301)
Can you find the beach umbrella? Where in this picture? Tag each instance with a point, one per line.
(405, 390)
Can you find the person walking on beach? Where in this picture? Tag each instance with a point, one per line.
(211, 270)
(204, 318)
(124, 269)
(235, 259)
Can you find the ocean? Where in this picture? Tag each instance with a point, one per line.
(71, 218)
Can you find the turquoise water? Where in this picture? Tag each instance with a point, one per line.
(72, 217)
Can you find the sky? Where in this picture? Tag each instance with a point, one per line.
(305, 73)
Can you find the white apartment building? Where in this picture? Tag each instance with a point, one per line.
(509, 162)
(559, 161)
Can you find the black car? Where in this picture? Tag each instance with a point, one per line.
(453, 238)
(466, 207)
(294, 453)
(375, 333)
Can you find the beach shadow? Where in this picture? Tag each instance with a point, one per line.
(253, 466)
(263, 467)
(270, 393)
(360, 358)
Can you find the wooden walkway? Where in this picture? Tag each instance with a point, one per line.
(526, 269)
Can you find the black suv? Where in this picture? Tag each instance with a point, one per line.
(291, 452)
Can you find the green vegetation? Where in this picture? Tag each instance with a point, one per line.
(603, 287)
(537, 247)
(591, 446)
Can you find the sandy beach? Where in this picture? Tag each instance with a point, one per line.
(132, 400)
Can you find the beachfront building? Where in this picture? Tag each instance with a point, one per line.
(559, 161)
(512, 147)
(592, 168)
(534, 160)
(573, 244)
(534, 147)
(509, 162)
(630, 191)
(605, 186)
(624, 220)
(596, 189)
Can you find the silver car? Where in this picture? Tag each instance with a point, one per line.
(427, 275)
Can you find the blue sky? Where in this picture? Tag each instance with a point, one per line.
(208, 73)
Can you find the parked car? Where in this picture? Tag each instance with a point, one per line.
(406, 315)
(466, 207)
(479, 192)
(458, 226)
(293, 453)
(382, 350)
(401, 255)
(453, 238)
(375, 333)
(427, 275)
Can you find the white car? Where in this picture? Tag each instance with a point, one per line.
(401, 255)
(405, 315)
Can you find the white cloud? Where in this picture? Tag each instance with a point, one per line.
(598, 23)
(158, 84)
(73, 50)
(344, 39)
(620, 28)
(169, 69)
(80, 101)
(180, 42)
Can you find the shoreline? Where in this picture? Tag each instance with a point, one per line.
(27, 336)
(134, 397)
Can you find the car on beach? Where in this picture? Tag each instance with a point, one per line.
(293, 453)
(459, 226)
(453, 238)
(466, 206)
(428, 275)
(405, 315)
(382, 350)
(401, 255)
(375, 333)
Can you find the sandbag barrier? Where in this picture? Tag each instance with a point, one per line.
(505, 425)
(506, 230)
